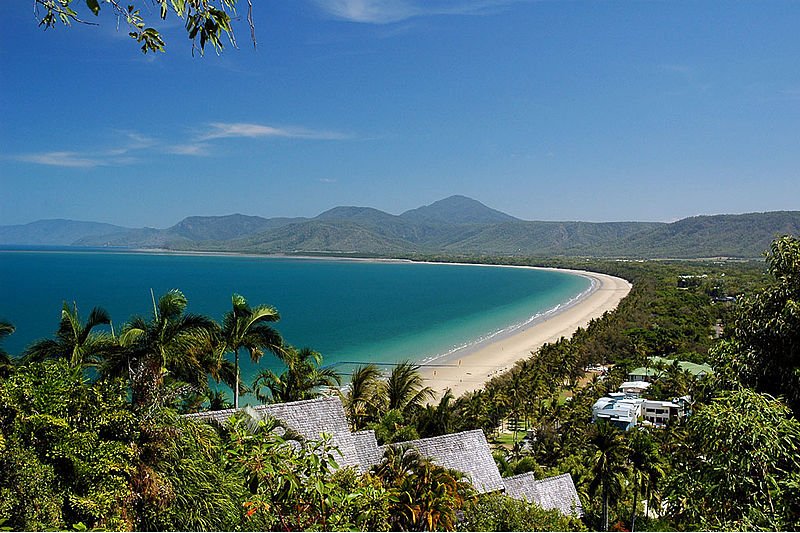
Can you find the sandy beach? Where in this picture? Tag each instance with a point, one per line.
(469, 369)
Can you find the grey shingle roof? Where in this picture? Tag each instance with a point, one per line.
(467, 452)
(309, 418)
(550, 493)
(369, 453)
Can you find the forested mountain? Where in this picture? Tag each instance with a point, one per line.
(55, 232)
(456, 210)
(454, 225)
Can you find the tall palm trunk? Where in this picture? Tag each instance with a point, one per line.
(236, 379)
(605, 506)
(633, 511)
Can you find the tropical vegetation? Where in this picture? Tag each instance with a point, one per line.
(91, 432)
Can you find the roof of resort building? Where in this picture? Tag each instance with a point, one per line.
(634, 385)
(369, 453)
(467, 452)
(550, 493)
(695, 369)
(311, 419)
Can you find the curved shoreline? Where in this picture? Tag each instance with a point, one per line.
(470, 368)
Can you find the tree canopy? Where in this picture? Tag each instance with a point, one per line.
(205, 21)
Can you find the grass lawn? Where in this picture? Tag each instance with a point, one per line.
(506, 438)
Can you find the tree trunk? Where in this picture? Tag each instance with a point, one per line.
(633, 511)
(605, 507)
(236, 380)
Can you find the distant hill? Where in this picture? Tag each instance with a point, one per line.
(55, 232)
(746, 235)
(455, 225)
(456, 210)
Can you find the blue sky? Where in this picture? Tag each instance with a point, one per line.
(547, 110)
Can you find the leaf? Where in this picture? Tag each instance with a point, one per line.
(94, 5)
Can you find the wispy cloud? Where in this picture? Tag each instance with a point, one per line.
(389, 11)
(193, 149)
(61, 159)
(222, 130)
(133, 145)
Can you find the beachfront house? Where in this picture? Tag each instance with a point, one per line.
(659, 413)
(626, 408)
(617, 410)
(467, 452)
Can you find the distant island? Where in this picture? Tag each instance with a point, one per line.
(452, 226)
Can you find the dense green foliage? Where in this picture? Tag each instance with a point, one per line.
(497, 512)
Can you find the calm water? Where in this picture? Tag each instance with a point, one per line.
(347, 310)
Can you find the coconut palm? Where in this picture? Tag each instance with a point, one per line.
(646, 466)
(245, 327)
(74, 340)
(439, 419)
(301, 380)
(405, 389)
(608, 463)
(171, 343)
(362, 402)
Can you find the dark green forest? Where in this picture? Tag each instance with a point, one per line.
(91, 432)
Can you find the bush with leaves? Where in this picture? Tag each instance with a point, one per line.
(293, 485)
(498, 512)
(427, 497)
(739, 467)
(68, 450)
(764, 352)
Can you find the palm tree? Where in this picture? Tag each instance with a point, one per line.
(438, 420)
(405, 390)
(646, 466)
(608, 463)
(300, 381)
(171, 343)
(426, 496)
(6, 364)
(248, 327)
(74, 340)
(362, 400)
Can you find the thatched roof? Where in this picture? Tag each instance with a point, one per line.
(467, 452)
(550, 493)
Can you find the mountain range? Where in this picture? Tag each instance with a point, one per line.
(454, 225)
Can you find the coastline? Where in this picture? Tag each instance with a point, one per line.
(467, 368)
(471, 368)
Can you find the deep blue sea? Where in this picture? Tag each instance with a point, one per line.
(347, 310)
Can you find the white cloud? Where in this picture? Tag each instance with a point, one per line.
(388, 11)
(61, 159)
(138, 145)
(370, 11)
(222, 130)
(197, 149)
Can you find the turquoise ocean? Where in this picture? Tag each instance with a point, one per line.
(350, 311)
